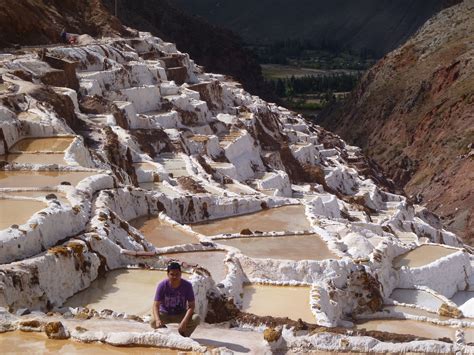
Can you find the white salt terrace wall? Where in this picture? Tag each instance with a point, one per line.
(446, 275)
(49, 226)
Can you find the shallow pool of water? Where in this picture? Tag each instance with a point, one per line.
(158, 186)
(40, 144)
(414, 312)
(417, 297)
(35, 158)
(41, 178)
(162, 234)
(38, 343)
(278, 301)
(18, 211)
(61, 197)
(423, 255)
(407, 326)
(125, 290)
(213, 261)
(287, 218)
(295, 247)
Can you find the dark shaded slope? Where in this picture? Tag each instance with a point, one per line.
(374, 25)
(37, 22)
(217, 49)
(414, 114)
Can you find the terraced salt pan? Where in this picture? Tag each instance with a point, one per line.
(38, 343)
(173, 165)
(35, 158)
(417, 297)
(239, 189)
(414, 312)
(278, 301)
(296, 247)
(286, 218)
(125, 290)
(408, 326)
(18, 211)
(160, 233)
(61, 197)
(51, 144)
(160, 187)
(422, 255)
(213, 261)
(41, 178)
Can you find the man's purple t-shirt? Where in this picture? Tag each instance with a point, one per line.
(173, 300)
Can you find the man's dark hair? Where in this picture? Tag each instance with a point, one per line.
(173, 266)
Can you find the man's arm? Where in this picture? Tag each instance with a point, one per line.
(188, 315)
(156, 314)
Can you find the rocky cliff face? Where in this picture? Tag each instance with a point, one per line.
(28, 22)
(414, 113)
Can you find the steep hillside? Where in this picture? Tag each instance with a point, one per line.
(27, 22)
(375, 25)
(414, 113)
(217, 49)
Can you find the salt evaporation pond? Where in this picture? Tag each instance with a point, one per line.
(296, 247)
(213, 261)
(160, 187)
(38, 343)
(413, 312)
(22, 178)
(173, 164)
(417, 297)
(160, 233)
(286, 218)
(410, 327)
(61, 197)
(35, 158)
(125, 290)
(422, 255)
(40, 144)
(278, 301)
(18, 211)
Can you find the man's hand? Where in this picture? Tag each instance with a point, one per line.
(182, 326)
(159, 324)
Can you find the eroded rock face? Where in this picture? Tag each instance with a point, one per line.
(413, 114)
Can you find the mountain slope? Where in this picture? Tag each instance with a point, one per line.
(375, 25)
(417, 104)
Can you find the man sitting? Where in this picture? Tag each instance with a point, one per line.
(174, 302)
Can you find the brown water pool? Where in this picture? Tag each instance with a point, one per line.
(42, 144)
(278, 301)
(41, 178)
(407, 326)
(35, 158)
(18, 211)
(38, 343)
(160, 233)
(295, 247)
(286, 218)
(423, 255)
(124, 290)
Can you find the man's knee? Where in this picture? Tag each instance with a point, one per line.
(196, 319)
